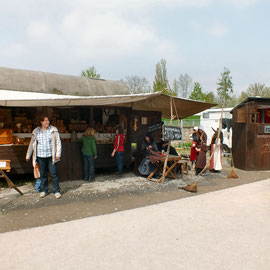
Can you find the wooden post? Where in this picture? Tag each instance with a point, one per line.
(10, 183)
(169, 143)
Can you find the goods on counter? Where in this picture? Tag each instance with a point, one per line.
(5, 112)
(78, 127)
(17, 140)
(5, 121)
(99, 127)
(104, 137)
(6, 136)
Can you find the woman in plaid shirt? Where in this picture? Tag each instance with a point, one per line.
(45, 147)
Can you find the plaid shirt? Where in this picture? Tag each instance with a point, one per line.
(44, 145)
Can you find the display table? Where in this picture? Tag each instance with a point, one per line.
(169, 170)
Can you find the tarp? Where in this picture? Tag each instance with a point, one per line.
(144, 102)
(44, 82)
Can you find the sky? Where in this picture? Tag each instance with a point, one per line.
(128, 37)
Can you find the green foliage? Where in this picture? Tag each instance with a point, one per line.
(90, 73)
(185, 144)
(255, 89)
(197, 93)
(210, 97)
(225, 86)
(161, 80)
(233, 101)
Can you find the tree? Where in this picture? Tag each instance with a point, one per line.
(137, 84)
(185, 85)
(233, 101)
(175, 86)
(90, 73)
(160, 82)
(225, 86)
(210, 97)
(197, 93)
(255, 89)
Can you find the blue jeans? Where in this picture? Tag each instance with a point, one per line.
(89, 166)
(119, 161)
(45, 166)
(38, 184)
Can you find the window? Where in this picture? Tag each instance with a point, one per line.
(255, 117)
(206, 115)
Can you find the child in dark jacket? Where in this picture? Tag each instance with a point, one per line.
(118, 149)
(89, 150)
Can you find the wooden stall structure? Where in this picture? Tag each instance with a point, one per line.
(106, 105)
(251, 134)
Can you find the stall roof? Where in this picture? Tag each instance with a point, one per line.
(145, 102)
(45, 82)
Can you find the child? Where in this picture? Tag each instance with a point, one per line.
(118, 150)
(89, 150)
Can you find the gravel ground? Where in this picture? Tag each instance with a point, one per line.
(106, 195)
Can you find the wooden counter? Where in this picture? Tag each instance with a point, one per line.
(71, 164)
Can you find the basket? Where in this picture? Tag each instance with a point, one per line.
(6, 136)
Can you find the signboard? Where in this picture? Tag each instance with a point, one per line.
(172, 133)
(3, 164)
(155, 127)
(266, 129)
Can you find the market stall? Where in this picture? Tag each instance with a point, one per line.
(18, 123)
(98, 103)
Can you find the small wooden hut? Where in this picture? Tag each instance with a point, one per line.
(251, 134)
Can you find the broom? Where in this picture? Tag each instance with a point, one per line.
(233, 173)
(190, 188)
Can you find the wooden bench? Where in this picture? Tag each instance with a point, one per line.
(183, 164)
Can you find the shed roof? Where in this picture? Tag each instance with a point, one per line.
(44, 82)
(250, 99)
(145, 102)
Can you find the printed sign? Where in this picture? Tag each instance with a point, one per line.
(155, 127)
(171, 133)
(3, 164)
(266, 129)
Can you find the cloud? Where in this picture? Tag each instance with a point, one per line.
(216, 29)
(242, 4)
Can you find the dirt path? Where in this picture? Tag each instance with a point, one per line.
(106, 195)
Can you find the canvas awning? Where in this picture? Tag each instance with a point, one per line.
(145, 102)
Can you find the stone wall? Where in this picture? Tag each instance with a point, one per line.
(186, 131)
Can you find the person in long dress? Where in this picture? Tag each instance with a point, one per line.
(193, 152)
(201, 149)
(216, 160)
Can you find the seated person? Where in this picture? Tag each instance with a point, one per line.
(147, 165)
(148, 144)
(164, 146)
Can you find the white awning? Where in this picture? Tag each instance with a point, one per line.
(144, 102)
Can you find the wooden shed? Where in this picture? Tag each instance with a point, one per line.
(251, 134)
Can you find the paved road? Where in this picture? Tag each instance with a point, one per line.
(227, 229)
